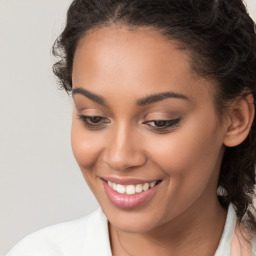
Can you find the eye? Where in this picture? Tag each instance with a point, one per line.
(162, 124)
(94, 122)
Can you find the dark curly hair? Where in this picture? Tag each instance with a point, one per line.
(221, 39)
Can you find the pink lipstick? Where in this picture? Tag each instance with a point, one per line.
(129, 196)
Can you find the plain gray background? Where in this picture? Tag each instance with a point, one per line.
(40, 182)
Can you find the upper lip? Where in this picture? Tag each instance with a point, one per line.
(128, 181)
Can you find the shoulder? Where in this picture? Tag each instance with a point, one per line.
(70, 238)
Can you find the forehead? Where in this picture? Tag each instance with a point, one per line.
(136, 61)
(123, 47)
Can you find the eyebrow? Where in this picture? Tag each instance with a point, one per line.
(92, 96)
(141, 102)
(159, 97)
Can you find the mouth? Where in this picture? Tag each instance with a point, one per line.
(130, 195)
(132, 189)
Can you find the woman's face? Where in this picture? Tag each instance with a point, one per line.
(144, 120)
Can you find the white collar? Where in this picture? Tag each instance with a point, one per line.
(224, 247)
(98, 243)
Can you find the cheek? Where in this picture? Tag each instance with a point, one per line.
(190, 160)
(189, 154)
(85, 145)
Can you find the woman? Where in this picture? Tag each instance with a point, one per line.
(163, 128)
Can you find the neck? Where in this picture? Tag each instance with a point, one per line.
(195, 232)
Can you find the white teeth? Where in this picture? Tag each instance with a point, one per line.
(114, 186)
(145, 186)
(139, 188)
(120, 189)
(152, 184)
(131, 189)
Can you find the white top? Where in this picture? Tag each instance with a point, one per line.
(89, 236)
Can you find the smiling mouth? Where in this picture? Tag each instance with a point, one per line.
(132, 189)
(129, 196)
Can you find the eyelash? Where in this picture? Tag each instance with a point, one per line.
(88, 121)
(100, 123)
(163, 124)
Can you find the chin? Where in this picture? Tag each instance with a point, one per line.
(133, 221)
(132, 226)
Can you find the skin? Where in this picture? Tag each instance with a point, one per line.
(123, 66)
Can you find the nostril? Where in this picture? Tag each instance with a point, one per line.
(124, 162)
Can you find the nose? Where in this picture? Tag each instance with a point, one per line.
(124, 150)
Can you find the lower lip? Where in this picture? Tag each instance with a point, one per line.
(128, 201)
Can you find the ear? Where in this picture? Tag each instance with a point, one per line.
(241, 115)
